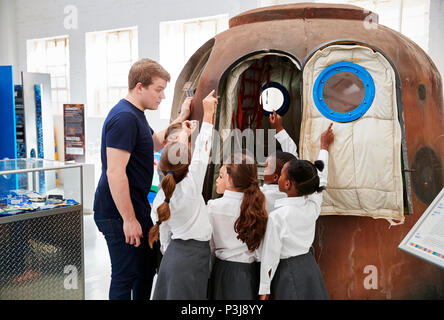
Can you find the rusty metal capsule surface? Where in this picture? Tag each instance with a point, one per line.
(345, 246)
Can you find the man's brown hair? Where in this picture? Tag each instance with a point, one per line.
(144, 71)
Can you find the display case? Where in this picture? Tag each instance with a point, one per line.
(41, 230)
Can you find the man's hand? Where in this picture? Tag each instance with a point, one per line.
(327, 137)
(132, 231)
(276, 121)
(264, 297)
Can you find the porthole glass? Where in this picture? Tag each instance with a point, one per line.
(274, 96)
(344, 91)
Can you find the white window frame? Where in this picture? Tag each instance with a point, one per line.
(39, 60)
(178, 41)
(99, 86)
(406, 12)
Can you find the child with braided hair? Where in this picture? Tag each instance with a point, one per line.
(288, 270)
(180, 216)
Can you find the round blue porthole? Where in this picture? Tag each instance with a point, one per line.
(344, 91)
(274, 96)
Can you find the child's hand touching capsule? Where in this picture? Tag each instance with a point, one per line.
(209, 106)
(327, 137)
(276, 121)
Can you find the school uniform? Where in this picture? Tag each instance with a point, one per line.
(235, 274)
(184, 237)
(271, 191)
(289, 235)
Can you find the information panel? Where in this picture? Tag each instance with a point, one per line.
(426, 239)
(74, 123)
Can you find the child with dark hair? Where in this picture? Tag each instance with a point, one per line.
(273, 167)
(288, 270)
(239, 220)
(276, 161)
(180, 215)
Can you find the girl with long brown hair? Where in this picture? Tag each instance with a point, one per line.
(239, 220)
(180, 216)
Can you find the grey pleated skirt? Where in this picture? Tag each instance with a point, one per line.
(298, 278)
(234, 280)
(184, 271)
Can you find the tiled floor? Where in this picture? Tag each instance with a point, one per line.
(97, 262)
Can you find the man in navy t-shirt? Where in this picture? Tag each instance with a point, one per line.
(121, 208)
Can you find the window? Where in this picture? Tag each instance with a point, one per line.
(409, 17)
(274, 96)
(109, 56)
(51, 56)
(344, 91)
(179, 40)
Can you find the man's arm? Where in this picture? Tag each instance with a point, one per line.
(185, 111)
(117, 160)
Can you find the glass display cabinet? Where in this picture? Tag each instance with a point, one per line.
(41, 230)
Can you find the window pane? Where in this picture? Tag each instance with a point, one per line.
(178, 41)
(114, 95)
(61, 82)
(109, 56)
(63, 96)
(119, 68)
(343, 92)
(51, 56)
(54, 96)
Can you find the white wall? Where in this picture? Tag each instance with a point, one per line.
(8, 43)
(436, 33)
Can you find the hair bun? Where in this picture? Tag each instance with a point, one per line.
(319, 164)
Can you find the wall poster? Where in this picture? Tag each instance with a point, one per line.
(74, 125)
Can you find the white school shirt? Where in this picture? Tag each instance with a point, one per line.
(290, 228)
(271, 191)
(189, 215)
(223, 214)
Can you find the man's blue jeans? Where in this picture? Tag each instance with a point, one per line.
(132, 269)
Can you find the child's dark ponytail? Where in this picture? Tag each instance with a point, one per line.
(304, 174)
(319, 164)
